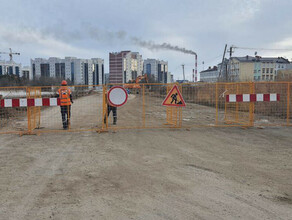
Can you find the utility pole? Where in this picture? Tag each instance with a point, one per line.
(222, 63)
(183, 67)
(203, 65)
(231, 51)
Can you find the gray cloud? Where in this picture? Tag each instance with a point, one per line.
(88, 31)
(104, 26)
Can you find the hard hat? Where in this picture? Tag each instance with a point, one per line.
(64, 83)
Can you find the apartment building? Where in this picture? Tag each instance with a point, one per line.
(267, 68)
(25, 72)
(78, 71)
(257, 68)
(157, 68)
(10, 68)
(210, 75)
(124, 66)
(240, 69)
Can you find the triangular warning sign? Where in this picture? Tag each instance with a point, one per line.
(174, 98)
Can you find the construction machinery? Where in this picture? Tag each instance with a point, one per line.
(10, 54)
(134, 85)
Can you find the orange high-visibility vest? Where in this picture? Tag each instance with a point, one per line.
(64, 95)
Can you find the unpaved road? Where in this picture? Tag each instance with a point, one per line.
(206, 173)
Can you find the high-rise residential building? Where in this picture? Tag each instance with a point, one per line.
(98, 77)
(124, 66)
(78, 71)
(116, 70)
(10, 68)
(106, 77)
(25, 72)
(157, 68)
(133, 65)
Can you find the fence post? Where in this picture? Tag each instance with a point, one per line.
(104, 110)
(251, 105)
(216, 98)
(34, 110)
(288, 103)
(179, 111)
(168, 110)
(180, 117)
(144, 116)
(28, 112)
(237, 104)
(225, 106)
(39, 108)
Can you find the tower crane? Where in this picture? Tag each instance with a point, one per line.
(10, 53)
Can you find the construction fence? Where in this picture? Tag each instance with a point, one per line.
(33, 110)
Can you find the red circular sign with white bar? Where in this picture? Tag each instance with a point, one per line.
(117, 96)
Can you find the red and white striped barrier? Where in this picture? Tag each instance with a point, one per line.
(29, 102)
(273, 97)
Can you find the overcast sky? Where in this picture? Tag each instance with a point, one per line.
(93, 28)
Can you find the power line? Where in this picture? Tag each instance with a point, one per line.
(272, 49)
(211, 59)
(205, 61)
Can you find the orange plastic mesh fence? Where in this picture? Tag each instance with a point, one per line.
(85, 111)
(206, 105)
(13, 120)
(143, 109)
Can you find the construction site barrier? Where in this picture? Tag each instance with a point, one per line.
(34, 110)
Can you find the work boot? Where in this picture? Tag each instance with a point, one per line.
(115, 121)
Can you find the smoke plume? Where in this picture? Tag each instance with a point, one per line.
(165, 46)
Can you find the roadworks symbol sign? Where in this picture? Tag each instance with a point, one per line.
(174, 98)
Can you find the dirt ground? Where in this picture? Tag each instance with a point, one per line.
(204, 173)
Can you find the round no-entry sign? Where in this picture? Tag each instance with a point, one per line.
(117, 96)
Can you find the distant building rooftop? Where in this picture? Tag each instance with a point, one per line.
(261, 59)
(210, 69)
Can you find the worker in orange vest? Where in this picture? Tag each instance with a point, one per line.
(65, 97)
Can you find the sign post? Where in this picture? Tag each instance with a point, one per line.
(174, 99)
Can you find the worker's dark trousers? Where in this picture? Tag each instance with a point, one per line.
(66, 115)
(114, 109)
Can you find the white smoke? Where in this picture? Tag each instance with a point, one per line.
(165, 46)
